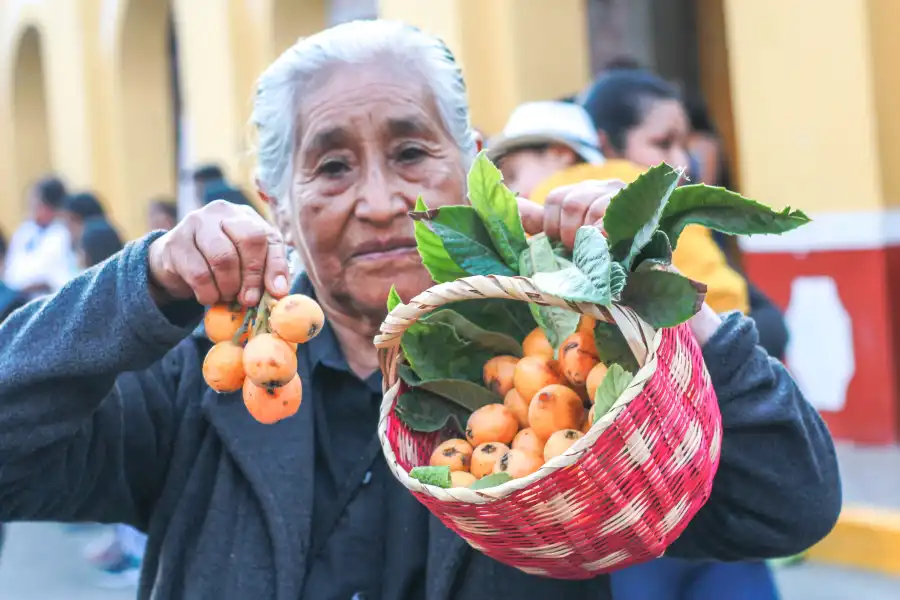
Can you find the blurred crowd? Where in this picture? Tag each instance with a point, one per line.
(626, 120)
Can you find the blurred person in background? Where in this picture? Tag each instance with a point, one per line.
(78, 208)
(204, 176)
(709, 165)
(162, 214)
(40, 258)
(640, 117)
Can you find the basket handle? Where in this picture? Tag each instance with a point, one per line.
(479, 287)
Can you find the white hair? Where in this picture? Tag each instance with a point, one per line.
(280, 87)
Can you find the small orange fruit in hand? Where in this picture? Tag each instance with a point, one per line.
(269, 405)
(534, 373)
(461, 479)
(455, 453)
(297, 318)
(269, 361)
(537, 344)
(491, 423)
(528, 441)
(223, 367)
(577, 356)
(498, 374)
(555, 407)
(518, 463)
(561, 441)
(518, 406)
(485, 456)
(222, 321)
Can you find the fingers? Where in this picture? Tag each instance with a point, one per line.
(573, 216)
(248, 235)
(221, 258)
(277, 268)
(532, 215)
(191, 266)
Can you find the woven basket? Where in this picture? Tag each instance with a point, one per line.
(620, 495)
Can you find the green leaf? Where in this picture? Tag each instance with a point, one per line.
(446, 345)
(663, 298)
(474, 258)
(498, 343)
(658, 250)
(465, 239)
(724, 211)
(633, 214)
(393, 299)
(434, 256)
(509, 317)
(570, 284)
(466, 394)
(618, 279)
(498, 208)
(609, 390)
(613, 348)
(556, 323)
(426, 412)
(437, 476)
(489, 481)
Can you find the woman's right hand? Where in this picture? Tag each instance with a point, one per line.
(219, 253)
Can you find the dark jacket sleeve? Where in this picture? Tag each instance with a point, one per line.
(773, 332)
(87, 399)
(777, 491)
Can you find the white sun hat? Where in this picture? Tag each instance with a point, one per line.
(534, 123)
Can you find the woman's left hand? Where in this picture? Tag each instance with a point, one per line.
(569, 207)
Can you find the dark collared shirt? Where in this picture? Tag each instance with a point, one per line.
(349, 511)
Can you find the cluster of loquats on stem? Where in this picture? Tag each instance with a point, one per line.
(256, 351)
(548, 405)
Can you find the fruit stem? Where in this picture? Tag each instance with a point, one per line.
(248, 318)
(262, 314)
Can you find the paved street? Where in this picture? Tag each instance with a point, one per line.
(42, 562)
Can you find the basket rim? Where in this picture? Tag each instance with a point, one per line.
(566, 459)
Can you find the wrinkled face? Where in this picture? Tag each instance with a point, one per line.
(661, 137)
(524, 169)
(369, 141)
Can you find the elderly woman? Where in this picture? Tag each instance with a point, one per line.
(104, 415)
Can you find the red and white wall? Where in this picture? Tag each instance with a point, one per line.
(838, 279)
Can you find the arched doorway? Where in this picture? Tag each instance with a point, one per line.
(31, 136)
(149, 102)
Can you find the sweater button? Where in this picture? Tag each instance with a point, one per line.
(359, 596)
(367, 479)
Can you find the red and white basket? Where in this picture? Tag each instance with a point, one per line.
(620, 495)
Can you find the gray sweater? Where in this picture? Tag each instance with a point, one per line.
(104, 416)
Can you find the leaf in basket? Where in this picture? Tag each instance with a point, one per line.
(609, 390)
(592, 258)
(725, 211)
(445, 345)
(393, 299)
(436, 476)
(464, 238)
(612, 347)
(489, 481)
(468, 395)
(556, 323)
(498, 208)
(499, 343)
(509, 317)
(434, 256)
(633, 214)
(658, 250)
(663, 298)
(422, 411)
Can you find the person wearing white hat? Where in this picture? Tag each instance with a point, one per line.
(540, 139)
